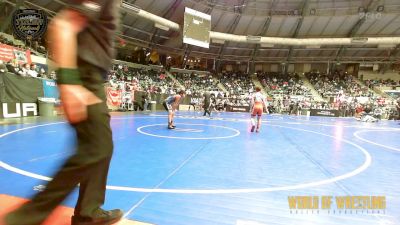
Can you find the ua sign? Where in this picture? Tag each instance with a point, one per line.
(15, 110)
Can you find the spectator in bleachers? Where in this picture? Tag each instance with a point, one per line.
(11, 68)
(195, 83)
(283, 84)
(5, 40)
(42, 73)
(53, 75)
(35, 47)
(238, 84)
(3, 68)
(331, 85)
(156, 80)
(24, 70)
(381, 83)
(32, 71)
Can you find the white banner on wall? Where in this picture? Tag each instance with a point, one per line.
(38, 59)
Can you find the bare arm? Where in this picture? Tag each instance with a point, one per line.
(175, 104)
(265, 104)
(64, 30)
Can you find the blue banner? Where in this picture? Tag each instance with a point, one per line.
(50, 89)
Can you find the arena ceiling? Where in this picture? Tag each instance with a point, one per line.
(274, 18)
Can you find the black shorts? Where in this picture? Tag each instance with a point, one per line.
(167, 107)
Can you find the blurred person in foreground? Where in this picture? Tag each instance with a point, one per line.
(82, 37)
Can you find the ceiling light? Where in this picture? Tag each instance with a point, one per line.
(253, 38)
(265, 45)
(387, 46)
(218, 41)
(130, 6)
(162, 27)
(313, 46)
(359, 40)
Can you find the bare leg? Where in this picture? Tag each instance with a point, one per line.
(172, 119)
(170, 116)
(253, 123)
(258, 124)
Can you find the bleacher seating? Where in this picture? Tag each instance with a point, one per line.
(147, 79)
(332, 85)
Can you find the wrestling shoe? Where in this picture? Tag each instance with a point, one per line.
(100, 217)
(252, 128)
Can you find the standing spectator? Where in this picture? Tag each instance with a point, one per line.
(193, 102)
(207, 103)
(147, 99)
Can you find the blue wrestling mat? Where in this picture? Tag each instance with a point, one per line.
(214, 171)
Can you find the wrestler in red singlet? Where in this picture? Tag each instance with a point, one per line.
(258, 103)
